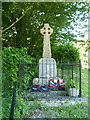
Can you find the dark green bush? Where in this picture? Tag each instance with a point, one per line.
(66, 53)
(10, 58)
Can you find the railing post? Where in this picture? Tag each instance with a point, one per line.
(13, 103)
(62, 70)
(80, 82)
(20, 75)
(72, 71)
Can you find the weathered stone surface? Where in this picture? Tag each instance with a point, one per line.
(47, 65)
(47, 68)
(46, 31)
(40, 81)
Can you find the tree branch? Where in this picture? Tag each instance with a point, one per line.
(16, 20)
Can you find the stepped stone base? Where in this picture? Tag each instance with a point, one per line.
(46, 95)
(54, 98)
(40, 81)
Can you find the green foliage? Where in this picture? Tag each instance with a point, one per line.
(21, 107)
(6, 106)
(78, 110)
(11, 58)
(33, 109)
(26, 33)
(85, 80)
(72, 111)
(66, 53)
(71, 84)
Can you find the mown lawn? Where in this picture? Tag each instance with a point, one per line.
(84, 83)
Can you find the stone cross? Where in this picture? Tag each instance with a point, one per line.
(46, 31)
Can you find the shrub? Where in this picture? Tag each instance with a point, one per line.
(66, 53)
(11, 57)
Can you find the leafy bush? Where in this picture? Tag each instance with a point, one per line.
(6, 106)
(66, 53)
(11, 58)
(21, 107)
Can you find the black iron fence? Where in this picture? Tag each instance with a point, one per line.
(30, 74)
(27, 72)
(11, 117)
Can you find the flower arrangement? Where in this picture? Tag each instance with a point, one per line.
(72, 88)
(71, 84)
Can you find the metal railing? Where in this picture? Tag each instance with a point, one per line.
(11, 117)
(65, 71)
(29, 71)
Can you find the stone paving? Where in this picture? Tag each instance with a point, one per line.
(62, 101)
(55, 98)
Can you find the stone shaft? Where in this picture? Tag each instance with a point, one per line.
(46, 31)
(46, 47)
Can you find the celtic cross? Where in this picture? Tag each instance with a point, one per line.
(46, 31)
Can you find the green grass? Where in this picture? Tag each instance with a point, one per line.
(84, 83)
(71, 111)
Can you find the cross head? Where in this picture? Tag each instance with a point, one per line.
(46, 30)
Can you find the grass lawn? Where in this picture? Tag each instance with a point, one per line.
(84, 83)
(71, 111)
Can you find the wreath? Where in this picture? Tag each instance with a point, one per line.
(34, 88)
(43, 88)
